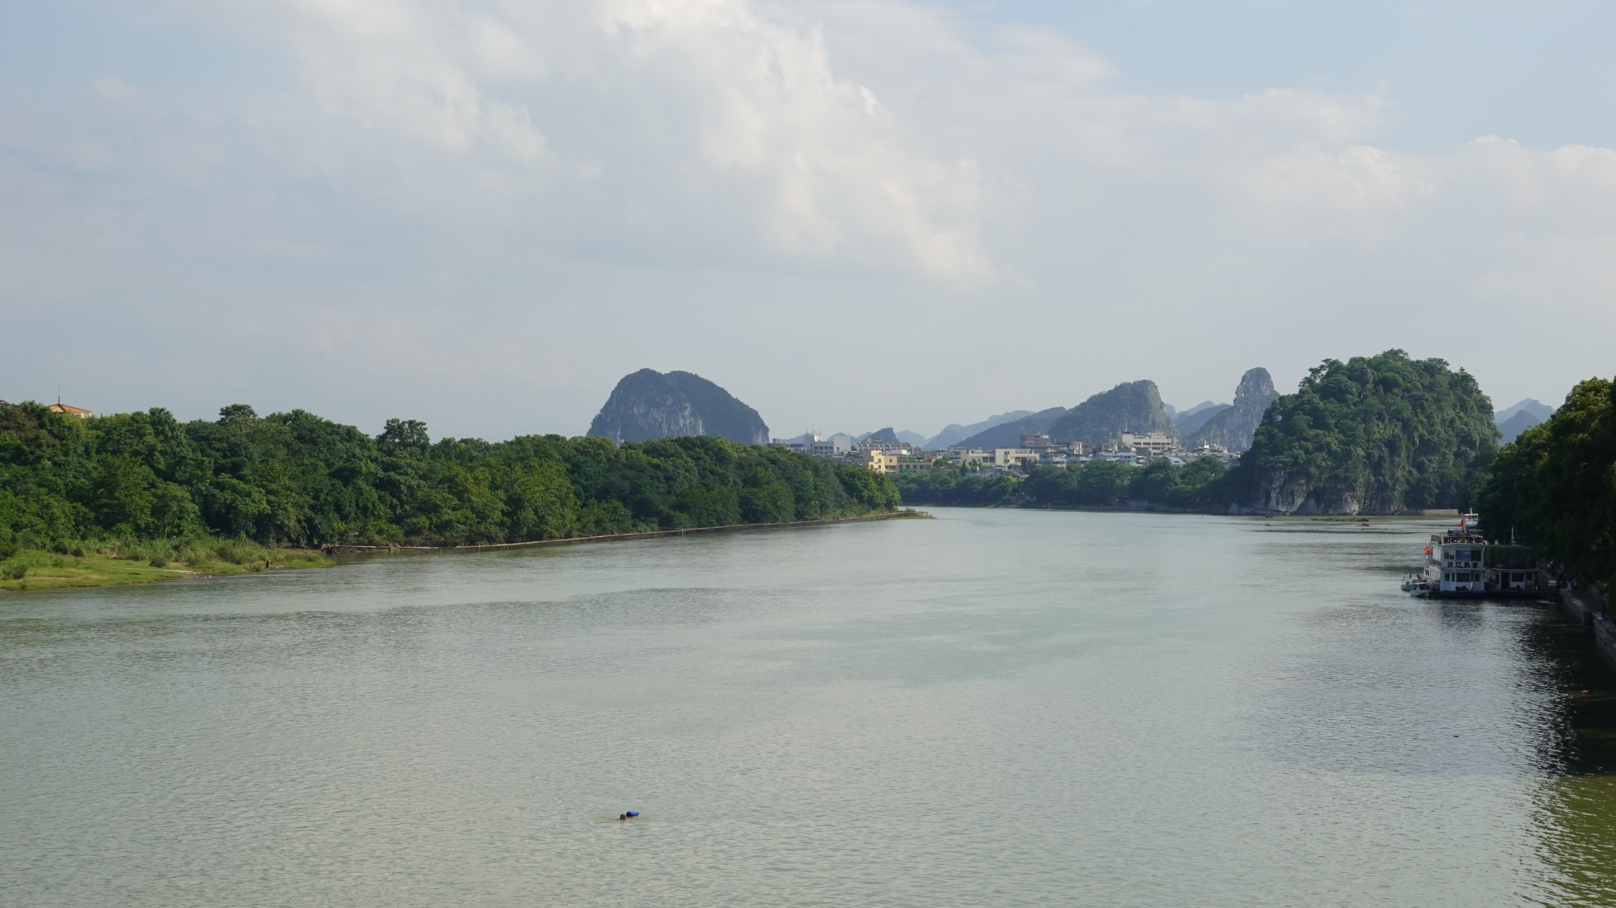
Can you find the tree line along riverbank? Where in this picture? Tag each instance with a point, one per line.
(146, 487)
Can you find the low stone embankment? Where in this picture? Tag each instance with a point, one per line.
(1587, 609)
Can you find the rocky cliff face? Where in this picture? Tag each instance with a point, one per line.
(1129, 407)
(1233, 428)
(1281, 493)
(649, 404)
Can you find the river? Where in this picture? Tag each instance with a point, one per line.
(990, 708)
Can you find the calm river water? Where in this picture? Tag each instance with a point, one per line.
(991, 708)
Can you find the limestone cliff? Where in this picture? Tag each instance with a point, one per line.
(1233, 428)
(1129, 407)
(649, 404)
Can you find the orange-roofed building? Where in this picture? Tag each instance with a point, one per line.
(60, 407)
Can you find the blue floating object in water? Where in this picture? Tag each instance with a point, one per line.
(634, 813)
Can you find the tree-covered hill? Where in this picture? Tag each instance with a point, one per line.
(1381, 434)
(1129, 407)
(648, 405)
(294, 478)
(1555, 487)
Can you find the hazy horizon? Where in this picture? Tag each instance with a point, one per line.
(848, 214)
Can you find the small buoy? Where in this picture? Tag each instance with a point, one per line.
(635, 813)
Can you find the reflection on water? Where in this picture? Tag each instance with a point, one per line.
(995, 708)
(1576, 826)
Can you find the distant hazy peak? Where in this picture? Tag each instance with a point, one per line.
(648, 404)
(1008, 434)
(955, 433)
(891, 434)
(1203, 405)
(1538, 410)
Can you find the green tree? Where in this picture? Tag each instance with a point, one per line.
(1555, 486)
(1380, 434)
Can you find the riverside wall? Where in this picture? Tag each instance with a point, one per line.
(1588, 609)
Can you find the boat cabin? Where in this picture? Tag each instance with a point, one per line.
(1455, 561)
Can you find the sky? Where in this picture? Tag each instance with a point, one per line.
(849, 214)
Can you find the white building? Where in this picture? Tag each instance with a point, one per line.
(835, 446)
(1152, 444)
(1015, 457)
(961, 457)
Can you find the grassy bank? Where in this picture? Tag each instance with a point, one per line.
(115, 563)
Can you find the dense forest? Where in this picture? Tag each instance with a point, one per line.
(1201, 485)
(1379, 435)
(296, 479)
(1554, 487)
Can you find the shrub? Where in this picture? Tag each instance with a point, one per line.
(14, 569)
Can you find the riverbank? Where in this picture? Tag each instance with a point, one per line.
(904, 514)
(33, 570)
(1137, 507)
(36, 570)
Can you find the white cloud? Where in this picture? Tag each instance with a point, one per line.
(810, 164)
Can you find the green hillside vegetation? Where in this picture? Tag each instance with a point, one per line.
(116, 482)
(648, 405)
(1555, 487)
(1200, 485)
(1381, 434)
(1129, 407)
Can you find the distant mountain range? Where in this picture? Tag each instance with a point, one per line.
(956, 433)
(1129, 407)
(1188, 422)
(1536, 408)
(648, 404)
(1008, 434)
(891, 434)
(1512, 421)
